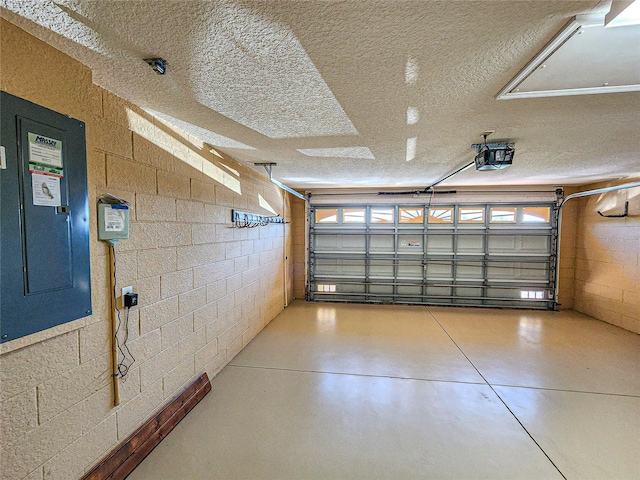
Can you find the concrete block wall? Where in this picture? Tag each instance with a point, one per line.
(607, 258)
(205, 289)
(568, 232)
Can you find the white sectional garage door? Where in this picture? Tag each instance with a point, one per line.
(477, 254)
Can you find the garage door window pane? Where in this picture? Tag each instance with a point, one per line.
(353, 215)
(503, 215)
(411, 215)
(382, 215)
(327, 215)
(536, 214)
(441, 215)
(471, 215)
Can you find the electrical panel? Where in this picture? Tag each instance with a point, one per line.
(45, 266)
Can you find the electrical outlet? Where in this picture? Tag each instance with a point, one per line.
(125, 290)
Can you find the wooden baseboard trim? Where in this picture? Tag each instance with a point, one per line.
(129, 453)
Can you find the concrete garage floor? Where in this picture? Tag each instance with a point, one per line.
(338, 391)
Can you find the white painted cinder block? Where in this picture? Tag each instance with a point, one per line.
(73, 461)
(95, 340)
(192, 300)
(205, 315)
(133, 413)
(179, 329)
(28, 367)
(158, 314)
(72, 386)
(19, 415)
(178, 377)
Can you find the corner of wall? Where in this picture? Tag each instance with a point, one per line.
(607, 263)
(566, 278)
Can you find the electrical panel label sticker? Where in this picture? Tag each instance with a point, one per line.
(3, 158)
(114, 220)
(46, 190)
(45, 155)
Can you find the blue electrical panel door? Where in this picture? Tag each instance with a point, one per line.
(45, 229)
(47, 251)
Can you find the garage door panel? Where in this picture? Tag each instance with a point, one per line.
(408, 294)
(439, 243)
(337, 267)
(468, 295)
(381, 268)
(466, 257)
(535, 297)
(350, 288)
(440, 269)
(519, 244)
(337, 242)
(410, 270)
(502, 243)
(470, 244)
(518, 270)
(381, 289)
(410, 243)
(535, 244)
(409, 290)
(381, 243)
(470, 271)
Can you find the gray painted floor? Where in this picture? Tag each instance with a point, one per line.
(336, 391)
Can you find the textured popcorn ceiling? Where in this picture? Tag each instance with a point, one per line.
(350, 93)
(338, 152)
